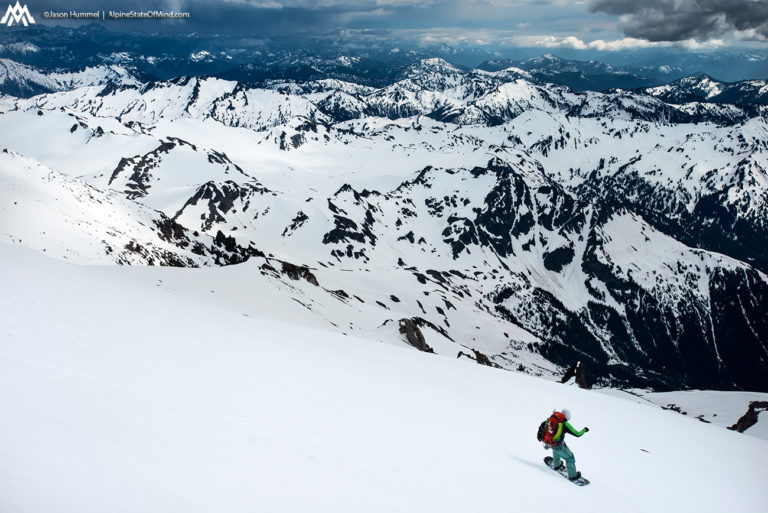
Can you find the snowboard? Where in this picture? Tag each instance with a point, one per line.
(563, 472)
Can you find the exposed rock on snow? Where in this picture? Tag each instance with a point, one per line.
(749, 419)
(575, 372)
(414, 336)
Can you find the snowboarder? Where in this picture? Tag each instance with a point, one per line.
(554, 438)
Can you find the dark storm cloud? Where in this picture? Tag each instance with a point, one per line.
(551, 23)
(268, 17)
(287, 17)
(677, 20)
(247, 18)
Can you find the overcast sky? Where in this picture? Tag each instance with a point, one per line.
(588, 24)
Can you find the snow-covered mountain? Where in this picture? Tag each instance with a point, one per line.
(703, 88)
(466, 212)
(21, 80)
(66, 218)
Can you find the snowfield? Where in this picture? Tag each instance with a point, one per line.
(148, 400)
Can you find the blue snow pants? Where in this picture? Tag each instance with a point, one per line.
(562, 452)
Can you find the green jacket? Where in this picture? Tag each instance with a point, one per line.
(562, 429)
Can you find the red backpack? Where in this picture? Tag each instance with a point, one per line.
(552, 423)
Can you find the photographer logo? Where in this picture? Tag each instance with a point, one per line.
(17, 14)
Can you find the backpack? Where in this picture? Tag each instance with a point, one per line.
(542, 429)
(549, 427)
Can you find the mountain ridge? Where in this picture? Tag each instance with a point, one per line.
(467, 198)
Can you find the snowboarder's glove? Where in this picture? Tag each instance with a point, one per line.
(586, 429)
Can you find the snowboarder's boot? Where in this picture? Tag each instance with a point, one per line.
(548, 460)
(576, 477)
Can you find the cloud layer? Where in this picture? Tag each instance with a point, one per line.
(677, 20)
(601, 25)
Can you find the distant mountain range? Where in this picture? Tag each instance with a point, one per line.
(254, 60)
(505, 218)
(703, 88)
(24, 80)
(587, 75)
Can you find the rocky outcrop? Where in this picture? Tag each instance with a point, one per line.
(749, 419)
(479, 357)
(576, 372)
(298, 272)
(414, 336)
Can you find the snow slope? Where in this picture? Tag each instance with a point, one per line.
(151, 401)
(720, 408)
(69, 219)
